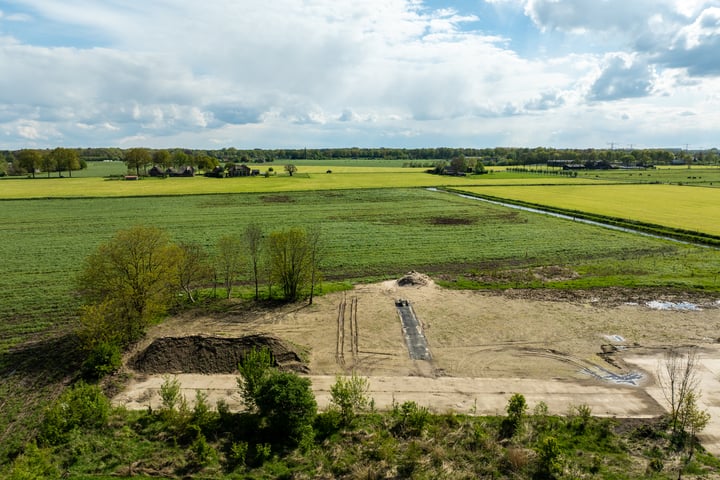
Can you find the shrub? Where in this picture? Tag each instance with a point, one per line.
(287, 403)
(410, 419)
(350, 396)
(516, 410)
(81, 406)
(549, 458)
(103, 359)
(170, 392)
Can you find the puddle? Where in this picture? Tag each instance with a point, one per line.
(615, 338)
(632, 378)
(684, 306)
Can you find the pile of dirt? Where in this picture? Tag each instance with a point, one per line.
(414, 279)
(208, 355)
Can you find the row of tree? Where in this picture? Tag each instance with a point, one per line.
(133, 279)
(28, 161)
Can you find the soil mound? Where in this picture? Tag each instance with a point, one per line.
(414, 279)
(200, 354)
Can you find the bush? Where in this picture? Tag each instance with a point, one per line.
(104, 359)
(410, 419)
(350, 396)
(516, 410)
(82, 406)
(287, 403)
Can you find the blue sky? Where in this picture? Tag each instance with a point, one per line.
(329, 73)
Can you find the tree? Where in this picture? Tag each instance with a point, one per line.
(48, 163)
(180, 158)
(65, 159)
(290, 169)
(255, 367)
(229, 260)
(137, 158)
(29, 161)
(3, 166)
(315, 247)
(290, 255)
(129, 281)
(253, 240)
(161, 158)
(678, 380)
(193, 268)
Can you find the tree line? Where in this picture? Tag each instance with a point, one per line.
(30, 161)
(131, 281)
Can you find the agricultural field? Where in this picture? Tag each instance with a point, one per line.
(682, 207)
(377, 223)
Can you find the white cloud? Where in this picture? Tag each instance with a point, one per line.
(322, 72)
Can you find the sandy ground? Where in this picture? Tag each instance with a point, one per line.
(484, 347)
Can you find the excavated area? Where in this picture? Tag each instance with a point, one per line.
(211, 355)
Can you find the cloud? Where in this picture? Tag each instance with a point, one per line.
(322, 72)
(622, 77)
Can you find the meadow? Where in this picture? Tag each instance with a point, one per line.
(682, 207)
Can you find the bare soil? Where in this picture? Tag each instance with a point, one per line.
(599, 348)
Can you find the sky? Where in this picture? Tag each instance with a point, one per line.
(372, 73)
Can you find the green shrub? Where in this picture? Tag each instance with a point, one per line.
(33, 464)
(350, 396)
(286, 402)
(516, 411)
(170, 392)
(104, 359)
(410, 420)
(81, 406)
(549, 459)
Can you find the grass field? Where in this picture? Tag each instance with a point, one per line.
(368, 233)
(683, 207)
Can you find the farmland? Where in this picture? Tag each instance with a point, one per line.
(377, 223)
(682, 207)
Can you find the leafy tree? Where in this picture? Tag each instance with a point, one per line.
(193, 268)
(255, 367)
(29, 161)
(180, 158)
(161, 158)
(290, 260)
(253, 241)
(131, 280)
(3, 166)
(229, 259)
(137, 158)
(290, 169)
(65, 159)
(48, 163)
(286, 402)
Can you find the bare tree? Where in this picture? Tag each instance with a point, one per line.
(193, 268)
(678, 380)
(229, 260)
(315, 247)
(253, 240)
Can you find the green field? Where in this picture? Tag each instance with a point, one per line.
(368, 234)
(377, 222)
(682, 207)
